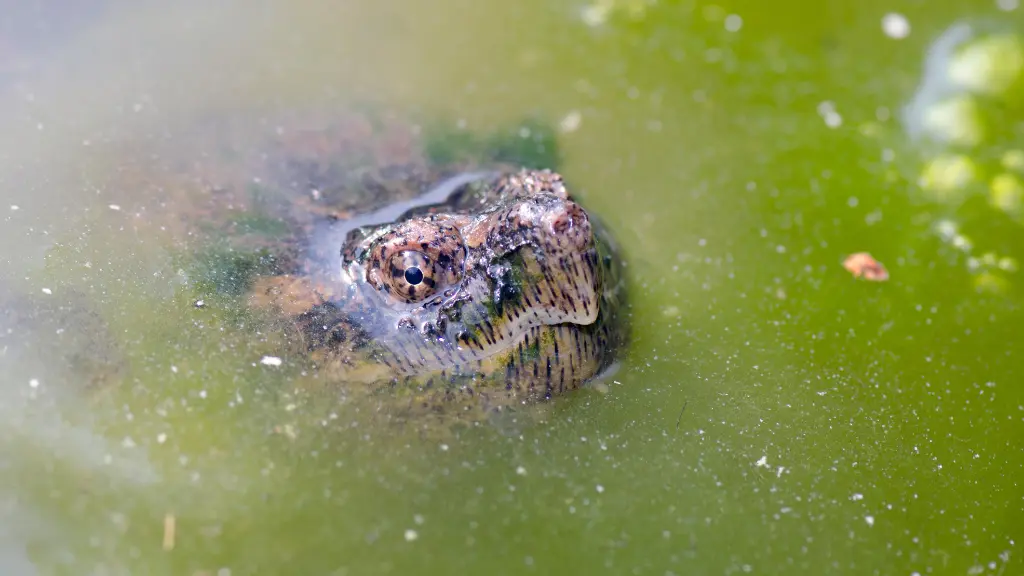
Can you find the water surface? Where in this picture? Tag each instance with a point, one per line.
(773, 415)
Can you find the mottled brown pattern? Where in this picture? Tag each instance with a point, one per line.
(501, 290)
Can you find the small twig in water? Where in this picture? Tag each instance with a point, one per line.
(681, 410)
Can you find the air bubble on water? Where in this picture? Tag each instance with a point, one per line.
(895, 26)
(828, 113)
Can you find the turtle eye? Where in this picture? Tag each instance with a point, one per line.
(416, 259)
(411, 275)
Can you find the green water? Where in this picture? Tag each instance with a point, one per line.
(772, 416)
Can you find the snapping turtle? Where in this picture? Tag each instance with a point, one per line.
(442, 270)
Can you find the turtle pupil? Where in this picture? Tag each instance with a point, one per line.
(413, 275)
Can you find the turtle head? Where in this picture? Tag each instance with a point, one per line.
(506, 280)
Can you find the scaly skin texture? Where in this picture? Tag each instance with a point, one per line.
(441, 278)
(503, 289)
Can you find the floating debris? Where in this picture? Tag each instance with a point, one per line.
(571, 122)
(992, 65)
(863, 265)
(947, 177)
(957, 120)
(270, 361)
(1007, 194)
(169, 528)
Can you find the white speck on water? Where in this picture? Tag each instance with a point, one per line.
(778, 473)
(47, 291)
(827, 111)
(114, 207)
(174, 369)
(39, 126)
(521, 471)
(161, 438)
(856, 496)
(1007, 5)
(270, 361)
(733, 23)
(14, 207)
(595, 14)
(128, 442)
(600, 489)
(444, 447)
(870, 520)
(411, 535)
(763, 462)
(571, 122)
(895, 26)
(200, 303)
(202, 393)
(224, 572)
(852, 201)
(418, 519)
(33, 383)
(780, 249)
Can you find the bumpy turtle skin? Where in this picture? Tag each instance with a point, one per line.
(525, 291)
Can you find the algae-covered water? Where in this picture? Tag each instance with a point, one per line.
(773, 414)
